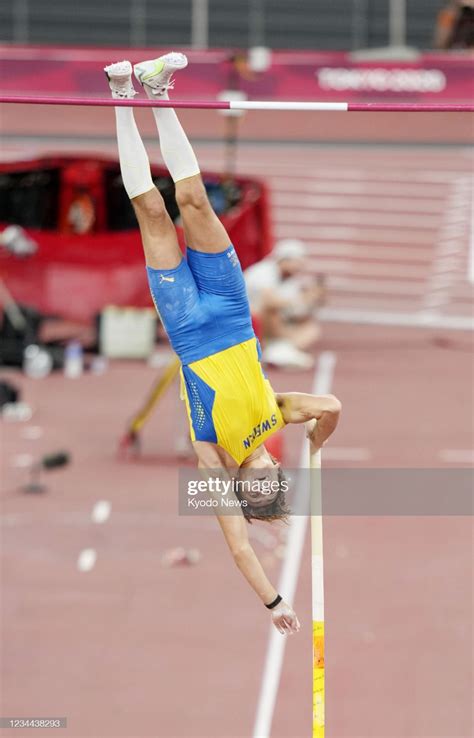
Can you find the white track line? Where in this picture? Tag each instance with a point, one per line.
(447, 269)
(365, 286)
(372, 204)
(86, 559)
(340, 173)
(335, 453)
(354, 233)
(470, 273)
(379, 271)
(421, 319)
(372, 190)
(289, 575)
(22, 461)
(371, 252)
(457, 456)
(101, 511)
(365, 218)
(32, 432)
(386, 303)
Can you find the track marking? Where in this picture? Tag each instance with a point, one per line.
(22, 461)
(470, 273)
(457, 456)
(362, 269)
(322, 384)
(447, 265)
(370, 252)
(368, 286)
(86, 559)
(352, 233)
(372, 190)
(101, 511)
(364, 218)
(372, 204)
(32, 432)
(425, 319)
(334, 453)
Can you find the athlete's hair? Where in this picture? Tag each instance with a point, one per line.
(275, 510)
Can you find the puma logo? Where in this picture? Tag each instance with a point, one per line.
(232, 256)
(166, 279)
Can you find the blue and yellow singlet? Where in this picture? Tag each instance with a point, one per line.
(204, 308)
(229, 400)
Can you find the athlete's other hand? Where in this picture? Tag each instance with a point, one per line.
(310, 434)
(284, 619)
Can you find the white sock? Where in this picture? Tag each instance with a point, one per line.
(176, 150)
(134, 163)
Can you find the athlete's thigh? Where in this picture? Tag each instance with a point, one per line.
(203, 230)
(160, 242)
(221, 284)
(179, 305)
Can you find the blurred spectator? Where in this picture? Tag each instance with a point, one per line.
(80, 216)
(284, 296)
(455, 25)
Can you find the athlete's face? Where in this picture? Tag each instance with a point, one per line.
(262, 484)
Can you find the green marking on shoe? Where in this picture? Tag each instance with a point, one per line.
(157, 69)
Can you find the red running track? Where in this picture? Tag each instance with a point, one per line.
(134, 649)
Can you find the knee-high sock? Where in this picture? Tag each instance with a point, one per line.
(134, 163)
(176, 150)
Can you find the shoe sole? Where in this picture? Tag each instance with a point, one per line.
(125, 71)
(160, 66)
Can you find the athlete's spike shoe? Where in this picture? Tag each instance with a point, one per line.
(120, 80)
(157, 73)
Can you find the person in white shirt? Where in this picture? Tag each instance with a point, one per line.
(284, 296)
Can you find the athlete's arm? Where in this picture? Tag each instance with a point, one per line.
(234, 528)
(297, 407)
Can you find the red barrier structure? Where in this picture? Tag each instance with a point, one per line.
(89, 252)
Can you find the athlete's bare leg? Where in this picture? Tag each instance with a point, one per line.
(159, 239)
(202, 228)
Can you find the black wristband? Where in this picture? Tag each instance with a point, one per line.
(275, 602)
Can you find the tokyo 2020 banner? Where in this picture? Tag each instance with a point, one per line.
(290, 75)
